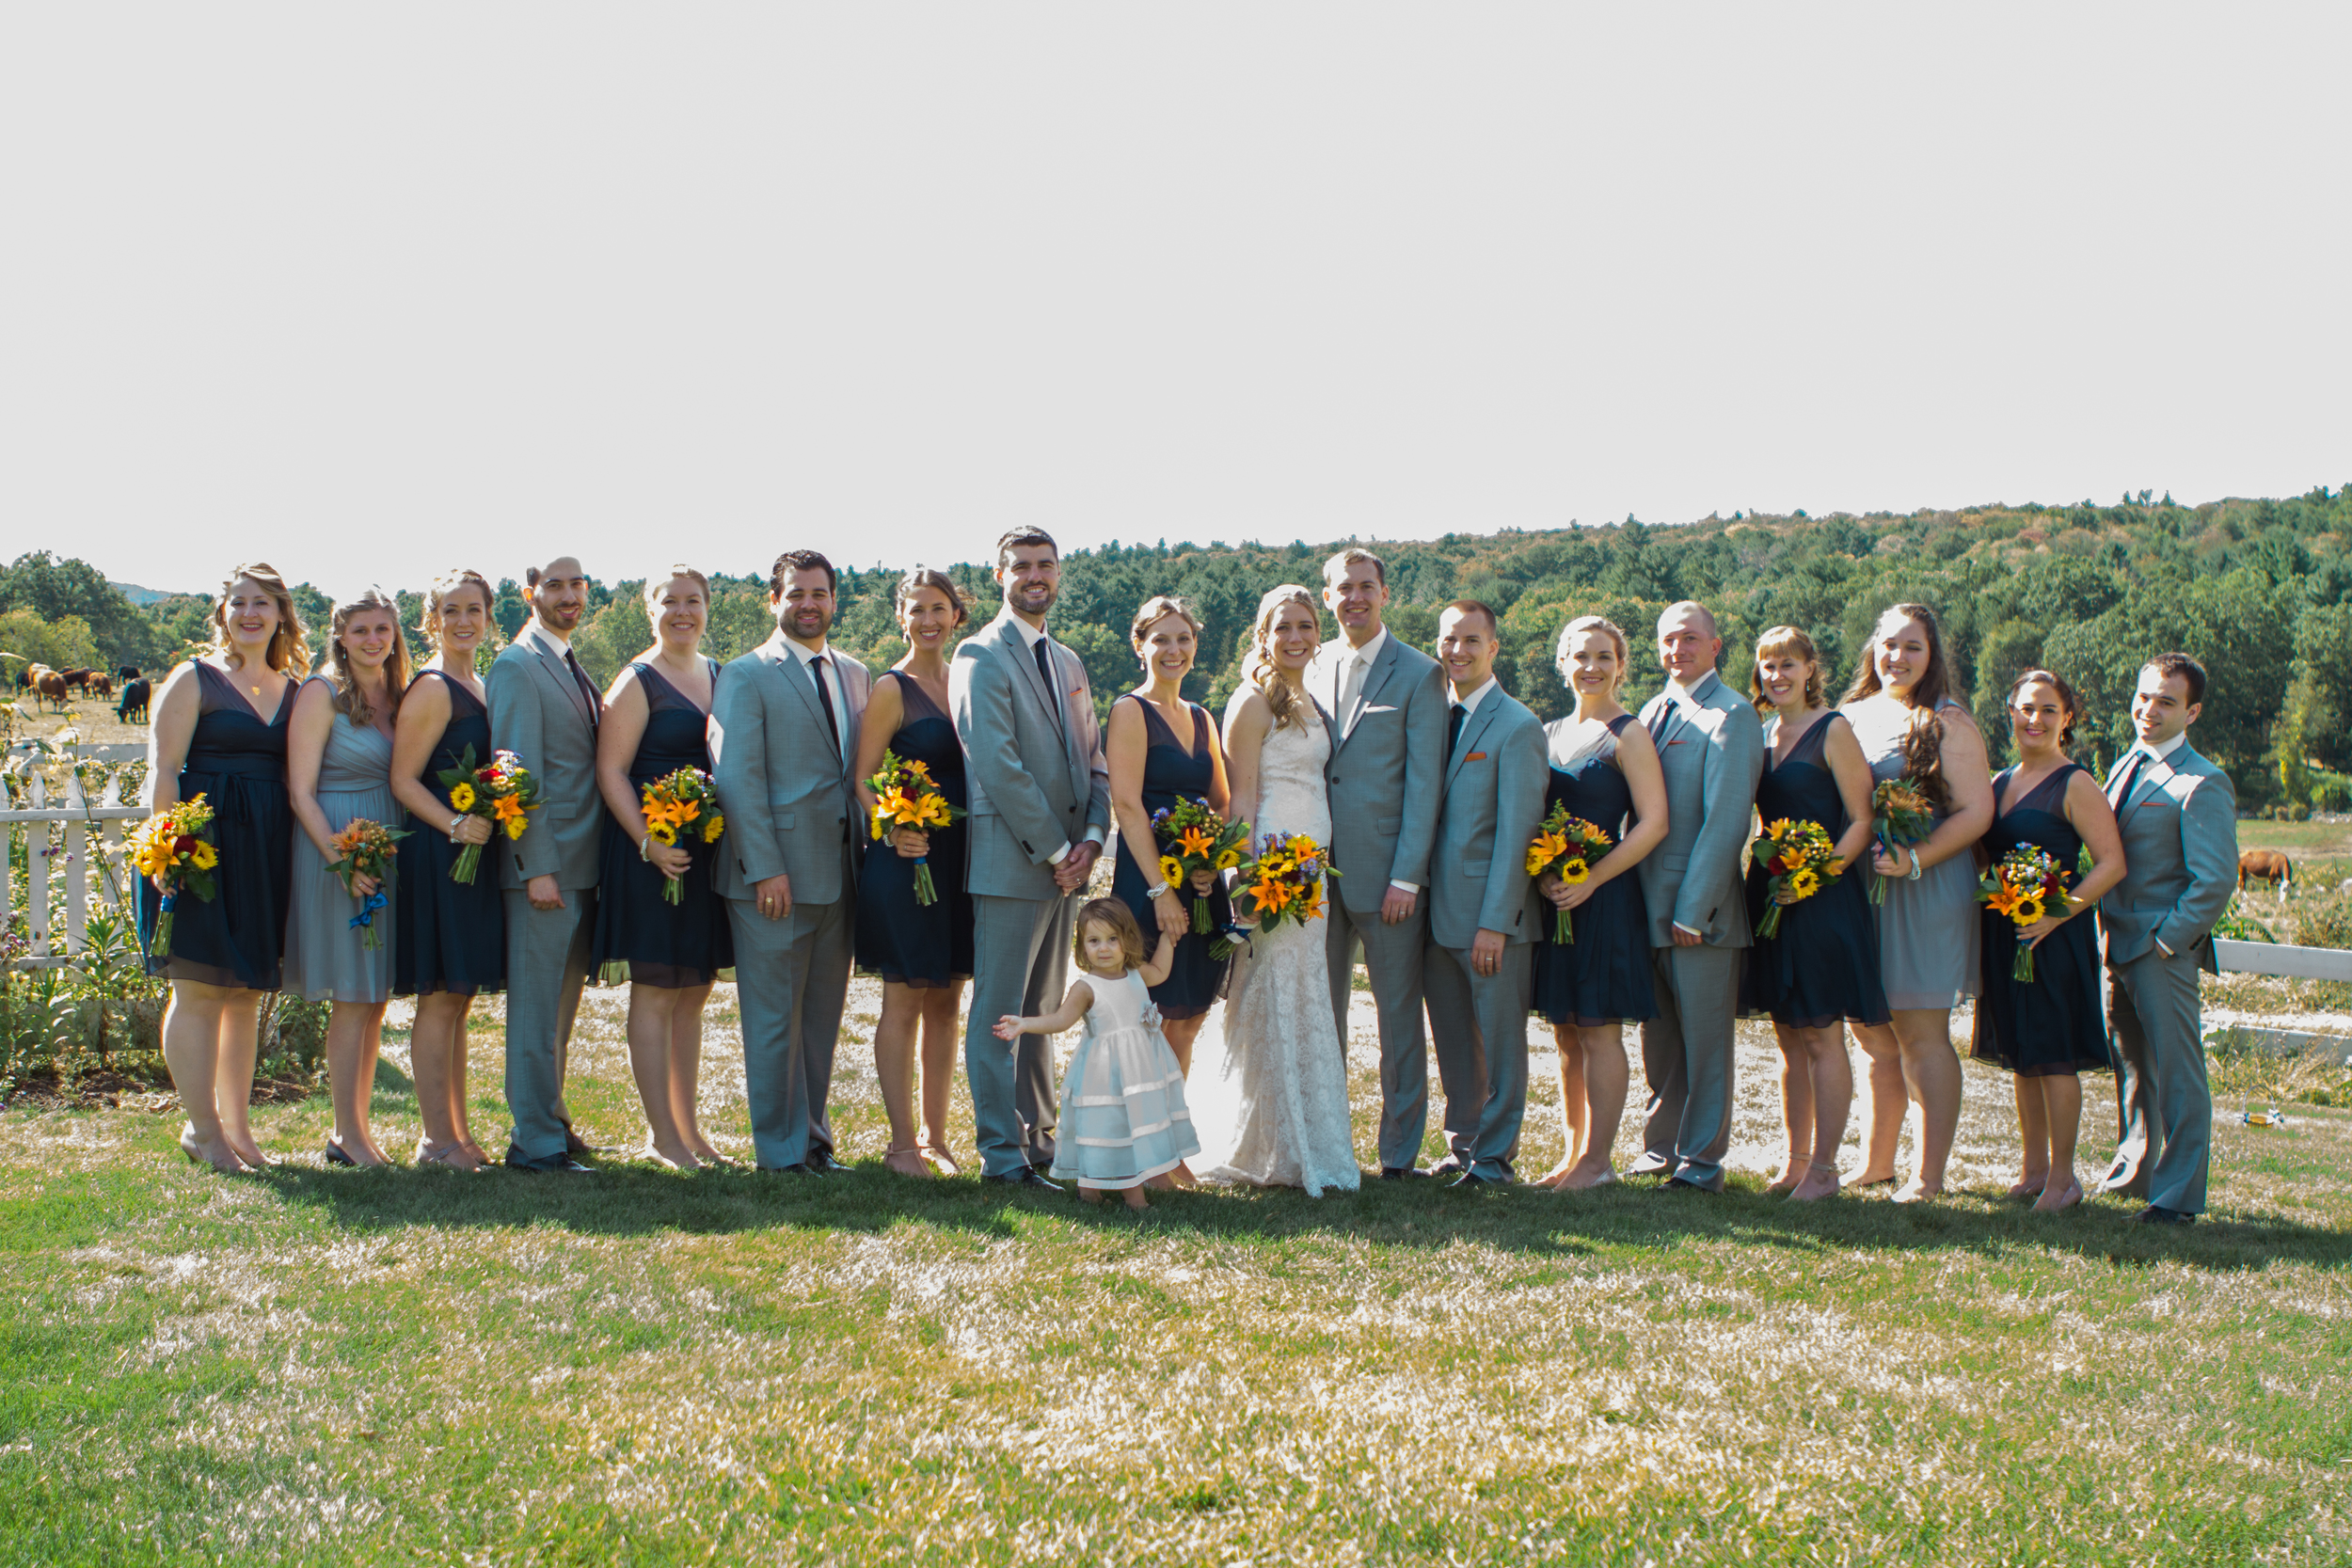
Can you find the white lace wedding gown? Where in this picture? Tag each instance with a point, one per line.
(1281, 1087)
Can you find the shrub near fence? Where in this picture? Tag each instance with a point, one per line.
(74, 990)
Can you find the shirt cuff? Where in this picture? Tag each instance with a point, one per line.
(2160, 946)
(1681, 926)
(1094, 836)
(1402, 886)
(1059, 855)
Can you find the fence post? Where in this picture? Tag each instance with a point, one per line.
(37, 873)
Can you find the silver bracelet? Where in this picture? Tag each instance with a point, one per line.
(454, 823)
(1155, 892)
(1915, 865)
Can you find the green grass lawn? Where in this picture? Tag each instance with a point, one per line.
(327, 1366)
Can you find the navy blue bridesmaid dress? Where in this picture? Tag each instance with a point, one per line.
(1603, 976)
(2051, 1023)
(237, 761)
(1822, 967)
(1173, 771)
(452, 935)
(923, 946)
(665, 945)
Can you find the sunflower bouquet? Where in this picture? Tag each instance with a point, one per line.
(1284, 882)
(366, 848)
(501, 791)
(176, 846)
(2024, 884)
(1900, 815)
(1569, 846)
(1802, 862)
(906, 797)
(1193, 838)
(681, 804)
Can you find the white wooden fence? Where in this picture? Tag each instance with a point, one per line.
(91, 828)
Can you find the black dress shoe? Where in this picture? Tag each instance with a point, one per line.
(1448, 1167)
(825, 1164)
(1684, 1184)
(547, 1166)
(2155, 1213)
(785, 1170)
(1024, 1175)
(335, 1155)
(1398, 1173)
(573, 1144)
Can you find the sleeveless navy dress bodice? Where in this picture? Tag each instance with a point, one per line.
(237, 761)
(664, 945)
(923, 946)
(1822, 967)
(1603, 976)
(453, 935)
(2051, 1023)
(1174, 771)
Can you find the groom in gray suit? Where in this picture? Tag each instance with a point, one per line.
(784, 720)
(1480, 966)
(1387, 709)
(1040, 792)
(1711, 746)
(2178, 819)
(545, 709)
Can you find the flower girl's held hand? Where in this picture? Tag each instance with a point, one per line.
(1010, 1027)
(1169, 911)
(912, 845)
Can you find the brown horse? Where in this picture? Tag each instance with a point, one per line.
(2265, 866)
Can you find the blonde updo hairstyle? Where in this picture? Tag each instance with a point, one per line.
(655, 582)
(1780, 642)
(443, 586)
(1577, 628)
(349, 700)
(1260, 670)
(287, 651)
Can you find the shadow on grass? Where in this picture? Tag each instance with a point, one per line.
(633, 1199)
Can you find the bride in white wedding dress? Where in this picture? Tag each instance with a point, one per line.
(1280, 1090)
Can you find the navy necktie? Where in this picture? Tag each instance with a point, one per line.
(1454, 729)
(824, 695)
(2131, 779)
(587, 689)
(1045, 674)
(1659, 721)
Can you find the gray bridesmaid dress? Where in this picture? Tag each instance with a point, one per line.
(1929, 933)
(324, 959)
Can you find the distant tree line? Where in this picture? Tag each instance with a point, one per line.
(2259, 589)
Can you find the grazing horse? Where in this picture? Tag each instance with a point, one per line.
(135, 699)
(101, 685)
(48, 687)
(2265, 866)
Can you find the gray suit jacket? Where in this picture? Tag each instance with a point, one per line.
(1494, 801)
(2180, 843)
(538, 712)
(1711, 750)
(1035, 783)
(1384, 772)
(789, 805)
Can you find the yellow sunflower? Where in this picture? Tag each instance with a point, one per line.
(1229, 860)
(663, 832)
(712, 827)
(460, 797)
(204, 856)
(1171, 869)
(1805, 884)
(2027, 908)
(1574, 871)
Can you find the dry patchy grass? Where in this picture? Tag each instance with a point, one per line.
(329, 1366)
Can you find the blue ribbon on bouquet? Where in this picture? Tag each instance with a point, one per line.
(367, 911)
(1228, 939)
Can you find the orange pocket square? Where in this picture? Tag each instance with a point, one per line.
(1475, 756)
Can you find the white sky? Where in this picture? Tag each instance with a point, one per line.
(370, 290)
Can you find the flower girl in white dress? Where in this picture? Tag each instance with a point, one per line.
(1123, 1118)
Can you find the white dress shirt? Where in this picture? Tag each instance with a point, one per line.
(1470, 705)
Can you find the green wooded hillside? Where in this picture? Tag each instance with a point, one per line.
(2261, 590)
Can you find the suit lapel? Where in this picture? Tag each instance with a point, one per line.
(799, 679)
(1375, 678)
(562, 677)
(2151, 777)
(1473, 731)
